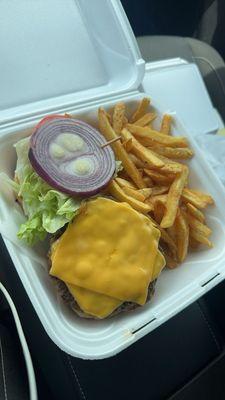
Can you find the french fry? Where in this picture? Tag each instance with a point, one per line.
(120, 152)
(198, 226)
(170, 167)
(204, 196)
(116, 191)
(160, 198)
(134, 193)
(149, 202)
(154, 181)
(165, 238)
(125, 120)
(195, 212)
(151, 136)
(159, 209)
(177, 153)
(189, 197)
(168, 241)
(144, 165)
(173, 198)
(148, 182)
(118, 117)
(109, 117)
(193, 244)
(166, 124)
(200, 238)
(172, 232)
(146, 119)
(182, 235)
(137, 161)
(167, 160)
(125, 183)
(140, 151)
(145, 192)
(170, 262)
(141, 109)
(158, 177)
(157, 190)
(127, 145)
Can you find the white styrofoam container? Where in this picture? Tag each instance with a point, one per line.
(102, 68)
(175, 288)
(178, 85)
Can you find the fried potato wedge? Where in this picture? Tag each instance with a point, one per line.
(124, 183)
(189, 197)
(166, 124)
(203, 196)
(151, 136)
(159, 178)
(173, 198)
(171, 263)
(154, 179)
(120, 152)
(200, 238)
(141, 152)
(198, 226)
(116, 191)
(146, 192)
(182, 235)
(175, 153)
(127, 145)
(195, 212)
(157, 190)
(146, 119)
(159, 209)
(134, 193)
(141, 109)
(118, 117)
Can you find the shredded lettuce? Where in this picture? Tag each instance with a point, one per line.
(47, 210)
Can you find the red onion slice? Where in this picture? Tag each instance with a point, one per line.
(67, 154)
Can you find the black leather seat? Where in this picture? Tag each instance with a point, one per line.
(13, 378)
(157, 365)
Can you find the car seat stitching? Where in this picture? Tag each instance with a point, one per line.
(214, 70)
(76, 378)
(3, 370)
(210, 328)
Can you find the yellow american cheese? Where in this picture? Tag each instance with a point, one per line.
(99, 305)
(95, 304)
(159, 265)
(108, 249)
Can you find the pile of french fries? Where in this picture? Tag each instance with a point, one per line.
(154, 179)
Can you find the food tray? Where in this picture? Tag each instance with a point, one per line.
(175, 289)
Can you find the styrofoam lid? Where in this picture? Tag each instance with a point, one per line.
(64, 52)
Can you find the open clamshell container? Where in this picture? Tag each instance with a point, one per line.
(67, 56)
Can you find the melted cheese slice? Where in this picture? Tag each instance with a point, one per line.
(95, 304)
(92, 303)
(159, 265)
(99, 305)
(109, 249)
